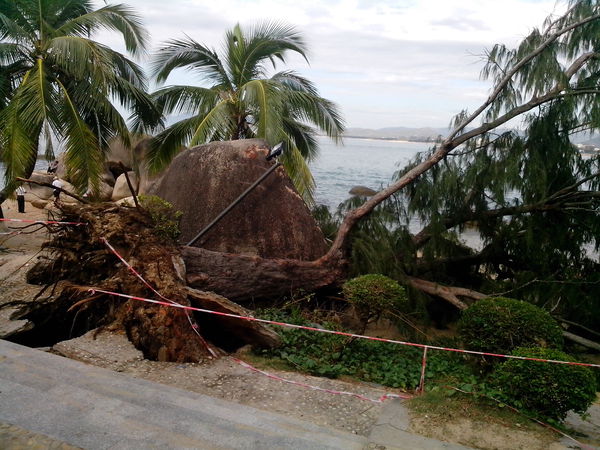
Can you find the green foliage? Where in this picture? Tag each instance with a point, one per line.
(327, 222)
(378, 362)
(546, 389)
(373, 294)
(242, 102)
(500, 325)
(54, 79)
(164, 218)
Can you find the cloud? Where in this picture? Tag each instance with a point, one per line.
(385, 62)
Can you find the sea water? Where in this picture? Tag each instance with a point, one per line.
(338, 168)
(358, 162)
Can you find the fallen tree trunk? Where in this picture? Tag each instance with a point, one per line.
(243, 278)
(581, 341)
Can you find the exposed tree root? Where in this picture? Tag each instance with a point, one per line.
(81, 261)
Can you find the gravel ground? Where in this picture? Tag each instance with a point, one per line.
(226, 379)
(16, 438)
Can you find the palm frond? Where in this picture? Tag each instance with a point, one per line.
(12, 25)
(316, 110)
(294, 82)
(267, 41)
(171, 141)
(97, 111)
(303, 138)
(84, 157)
(179, 99)
(215, 125)
(18, 146)
(265, 104)
(120, 18)
(188, 54)
(299, 172)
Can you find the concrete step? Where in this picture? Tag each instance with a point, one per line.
(46, 398)
(94, 408)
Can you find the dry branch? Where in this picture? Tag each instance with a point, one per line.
(64, 191)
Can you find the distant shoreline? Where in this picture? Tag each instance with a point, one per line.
(393, 139)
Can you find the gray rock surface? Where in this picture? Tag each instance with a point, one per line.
(121, 189)
(272, 221)
(362, 191)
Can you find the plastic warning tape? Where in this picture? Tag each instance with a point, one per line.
(174, 303)
(340, 333)
(317, 388)
(44, 222)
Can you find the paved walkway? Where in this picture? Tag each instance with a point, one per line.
(47, 401)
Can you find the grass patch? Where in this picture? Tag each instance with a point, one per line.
(446, 405)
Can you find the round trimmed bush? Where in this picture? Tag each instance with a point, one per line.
(548, 389)
(502, 324)
(372, 294)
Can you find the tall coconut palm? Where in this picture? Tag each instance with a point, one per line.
(54, 79)
(240, 100)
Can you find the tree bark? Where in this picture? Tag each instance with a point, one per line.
(581, 341)
(242, 278)
(448, 293)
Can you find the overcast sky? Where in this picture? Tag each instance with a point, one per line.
(385, 63)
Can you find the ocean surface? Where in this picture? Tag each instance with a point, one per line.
(364, 162)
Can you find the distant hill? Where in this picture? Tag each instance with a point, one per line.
(400, 133)
(430, 134)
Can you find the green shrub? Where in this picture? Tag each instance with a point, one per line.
(502, 324)
(329, 355)
(165, 219)
(373, 294)
(547, 389)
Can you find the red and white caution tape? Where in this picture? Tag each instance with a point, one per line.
(44, 222)
(340, 333)
(174, 303)
(171, 303)
(317, 388)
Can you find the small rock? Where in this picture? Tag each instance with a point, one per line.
(362, 191)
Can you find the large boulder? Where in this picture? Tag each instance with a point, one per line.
(362, 191)
(272, 221)
(105, 192)
(121, 189)
(119, 152)
(37, 192)
(148, 182)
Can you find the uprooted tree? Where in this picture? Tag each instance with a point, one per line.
(554, 69)
(553, 73)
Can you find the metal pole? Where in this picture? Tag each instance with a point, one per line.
(233, 204)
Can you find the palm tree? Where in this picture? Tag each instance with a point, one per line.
(241, 101)
(55, 80)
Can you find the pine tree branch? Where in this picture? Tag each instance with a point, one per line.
(338, 249)
(581, 341)
(562, 199)
(513, 71)
(448, 293)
